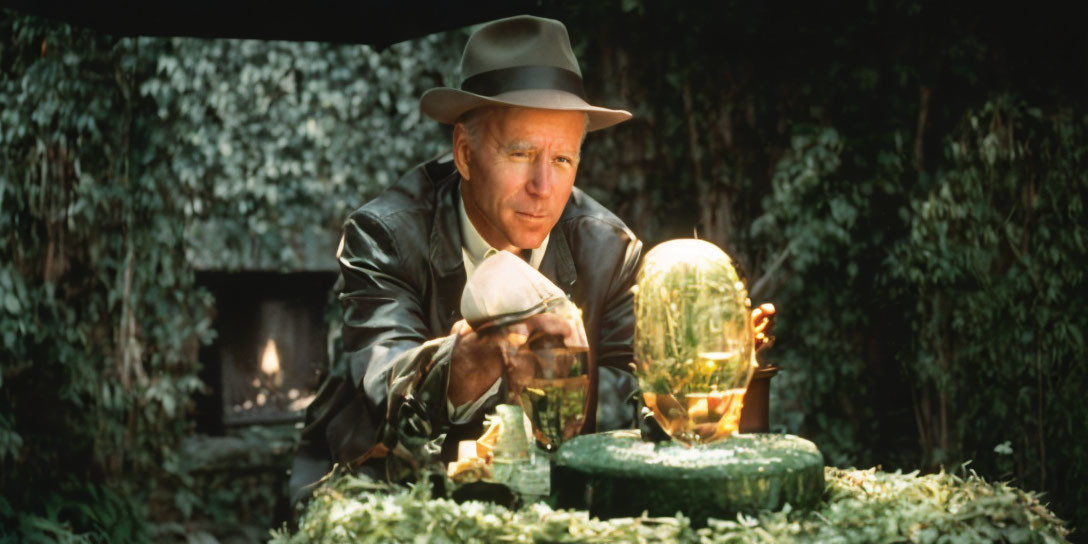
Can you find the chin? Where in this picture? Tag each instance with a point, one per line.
(528, 236)
(529, 243)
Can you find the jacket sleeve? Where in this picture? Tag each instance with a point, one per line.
(617, 406)
(392, 363)
(618, 314)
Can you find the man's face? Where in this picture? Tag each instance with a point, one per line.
(519, 174)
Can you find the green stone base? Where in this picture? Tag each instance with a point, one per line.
(618, 475)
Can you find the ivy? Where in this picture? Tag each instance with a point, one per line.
(859, 506)
(101, 313)
(272, 144)
(126, 165)
(906, 182)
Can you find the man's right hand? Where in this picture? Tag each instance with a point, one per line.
(479, 359)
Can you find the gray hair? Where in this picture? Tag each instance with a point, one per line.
(473, 122)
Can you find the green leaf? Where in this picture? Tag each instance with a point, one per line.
(11, 303)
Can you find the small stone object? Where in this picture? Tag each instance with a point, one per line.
(534, 481)
(514, 461)
(513, 442)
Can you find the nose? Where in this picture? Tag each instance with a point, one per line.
(541, 179)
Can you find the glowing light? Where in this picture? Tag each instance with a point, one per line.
(301, 403)
(270, 359)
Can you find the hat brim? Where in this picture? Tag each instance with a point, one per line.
(446, 105)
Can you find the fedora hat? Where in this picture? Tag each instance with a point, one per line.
(522, 61)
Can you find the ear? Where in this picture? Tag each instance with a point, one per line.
(462, 151)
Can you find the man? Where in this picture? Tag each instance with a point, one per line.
(418, 378)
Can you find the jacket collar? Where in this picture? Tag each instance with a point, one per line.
(445, 250)
(558, 263)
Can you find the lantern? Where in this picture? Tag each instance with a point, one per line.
(693, 340)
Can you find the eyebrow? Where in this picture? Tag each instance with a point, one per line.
(518, 146)
(528, 146)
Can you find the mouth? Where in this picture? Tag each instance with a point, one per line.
(532, 216)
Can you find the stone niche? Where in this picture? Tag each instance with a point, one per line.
(270, 350)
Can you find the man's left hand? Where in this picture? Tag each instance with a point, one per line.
(763, 325)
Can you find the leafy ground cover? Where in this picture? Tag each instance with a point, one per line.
(860, 506)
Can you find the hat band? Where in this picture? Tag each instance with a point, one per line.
(518, 78)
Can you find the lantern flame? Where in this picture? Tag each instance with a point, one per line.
(270, 359)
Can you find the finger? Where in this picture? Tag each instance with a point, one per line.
(548, 324)
(572, 332)
(521, 365)
(577, 338)
(763, 341)
(766, 308)
(517, 334)
(460, 328)
(767, 342)
(763, 318)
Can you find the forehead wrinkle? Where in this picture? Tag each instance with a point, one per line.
(496, 128)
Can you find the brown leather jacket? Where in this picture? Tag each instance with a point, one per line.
(401, 281)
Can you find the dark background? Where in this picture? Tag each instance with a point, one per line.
(904, 180)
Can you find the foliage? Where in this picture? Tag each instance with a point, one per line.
(125, 164)
(1007, 218)
(100, 313)
(356, 509)
(237, 481)
(997, 230)
(78, 512)
(875, 506)
(861, 506)
(904, 180)
(272, 144)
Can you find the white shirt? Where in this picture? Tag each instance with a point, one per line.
(474, 249)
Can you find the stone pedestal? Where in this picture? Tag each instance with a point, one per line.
(618, 475)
